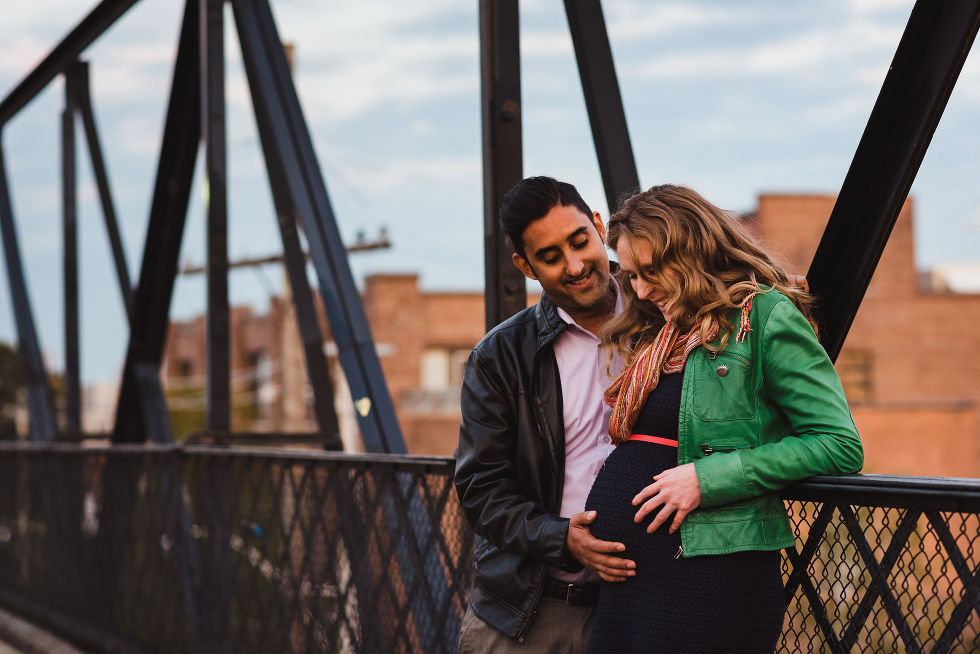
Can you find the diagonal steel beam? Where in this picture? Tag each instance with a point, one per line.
(500, 98)
(920, 79)
(603, 100)
(141, 411)
(63, 54)
(899, 539)
(39, 406)
(802, 559)
(879, 578)
(799, 579)
(83, 101)
(302, 295)
(271, 84)
(971, 585)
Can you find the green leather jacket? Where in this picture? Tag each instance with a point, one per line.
(755, 417)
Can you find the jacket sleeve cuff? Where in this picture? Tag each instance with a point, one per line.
(567, 562)
(722, 479)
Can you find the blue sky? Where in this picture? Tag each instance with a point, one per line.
(732, 99)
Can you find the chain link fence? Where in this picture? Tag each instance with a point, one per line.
(198, 549)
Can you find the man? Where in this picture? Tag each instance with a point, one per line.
(534, 435)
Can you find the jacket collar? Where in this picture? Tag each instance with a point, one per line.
(549, 323)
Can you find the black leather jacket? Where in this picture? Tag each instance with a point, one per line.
(510, 466)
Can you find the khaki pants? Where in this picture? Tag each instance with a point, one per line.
(557, 628)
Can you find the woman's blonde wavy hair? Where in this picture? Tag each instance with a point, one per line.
(705, 261)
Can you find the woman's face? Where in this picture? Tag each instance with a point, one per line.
(642, 275)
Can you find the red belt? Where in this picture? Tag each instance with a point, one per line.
(654, 439)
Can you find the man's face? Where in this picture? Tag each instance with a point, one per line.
(565, 252)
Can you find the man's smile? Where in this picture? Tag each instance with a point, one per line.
(582, 281)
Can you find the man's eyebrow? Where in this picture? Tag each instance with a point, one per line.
(571, 237)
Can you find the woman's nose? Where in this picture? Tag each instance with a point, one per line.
(642, 289)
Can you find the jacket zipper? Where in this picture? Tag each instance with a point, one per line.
(557, 470)
(527, 623)
(544, 429)
(712, 355)
(711, 449)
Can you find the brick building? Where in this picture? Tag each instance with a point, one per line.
(906, 365)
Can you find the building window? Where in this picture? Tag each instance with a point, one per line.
(457, 365)
(259, 382)
(442, 368)
(855, 367)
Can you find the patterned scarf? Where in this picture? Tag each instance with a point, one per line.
(665, 354)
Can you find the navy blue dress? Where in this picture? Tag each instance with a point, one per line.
(731, 603)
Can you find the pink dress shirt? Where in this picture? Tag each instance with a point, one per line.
(582, 369)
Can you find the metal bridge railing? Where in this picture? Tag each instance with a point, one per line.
(204, 549)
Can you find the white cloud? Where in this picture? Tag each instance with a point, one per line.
(862, 7)
(837, 110)
(972, 223)
(540, 43)
(389, 174)
(640, 19)
(968, 83)
(821, 49)
(139, 134)
(19, 52)
(347, 92)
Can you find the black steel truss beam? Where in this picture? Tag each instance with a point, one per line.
(271, 84)
(141, 411)
(67, 51)
(69, 224)
(218, 390)
(603, 100)
(83, 103)
(927, 62)
(44, 426)
(500, 96)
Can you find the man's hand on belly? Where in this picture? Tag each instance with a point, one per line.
(594, 553)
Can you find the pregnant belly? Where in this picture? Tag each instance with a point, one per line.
(629, 468)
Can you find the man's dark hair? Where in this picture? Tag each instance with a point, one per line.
(532, 199)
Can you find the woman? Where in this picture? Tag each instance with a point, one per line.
(726, 397)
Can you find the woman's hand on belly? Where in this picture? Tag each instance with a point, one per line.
(594, 553)
(676, 490)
